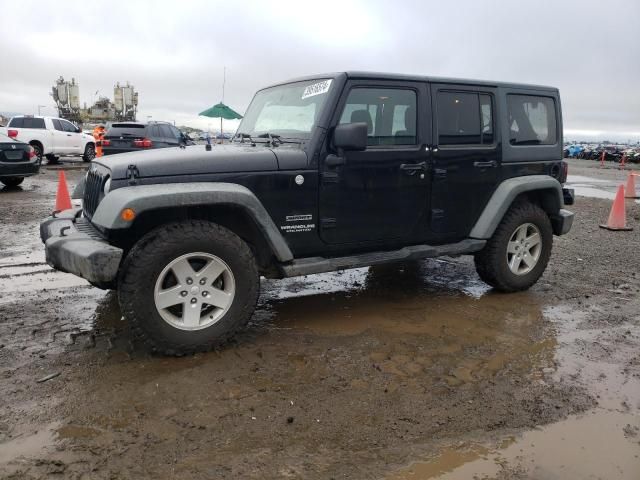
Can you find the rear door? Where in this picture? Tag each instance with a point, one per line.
(465, 155)
(59, 136)
(380, 194)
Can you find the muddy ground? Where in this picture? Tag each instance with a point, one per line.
(410, 371)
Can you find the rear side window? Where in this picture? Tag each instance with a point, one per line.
(532, 120)
(464, 118)
(126, 130)
(389, 113)
(28, 122)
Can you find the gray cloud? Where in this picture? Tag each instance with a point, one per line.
(174, 52)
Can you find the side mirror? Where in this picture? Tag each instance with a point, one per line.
(78, 130)
(351, 136)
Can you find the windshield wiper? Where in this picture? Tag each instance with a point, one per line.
(272, 138)
(245, 135)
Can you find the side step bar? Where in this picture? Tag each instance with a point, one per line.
(307, 266)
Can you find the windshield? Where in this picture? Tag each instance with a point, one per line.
(290, 110)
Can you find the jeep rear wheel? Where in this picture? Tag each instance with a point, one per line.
(188, 287)
(517, 254)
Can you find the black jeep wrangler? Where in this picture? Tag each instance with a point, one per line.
(325, 173)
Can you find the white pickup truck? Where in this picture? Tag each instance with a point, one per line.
(51, 137)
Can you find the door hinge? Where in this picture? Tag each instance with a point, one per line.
(133, 174)
(328, 223)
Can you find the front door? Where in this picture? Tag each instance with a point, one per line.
(465, 157)
(381, 193)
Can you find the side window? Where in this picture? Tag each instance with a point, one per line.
(154, 131)
(165, 131)
(390, 113)
(17, 122)
(176, 133)
(57, 125)
(68, 126)
(486, 117)
(458, 118)
(532, 120)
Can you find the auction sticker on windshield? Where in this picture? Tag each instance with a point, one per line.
(316, 89)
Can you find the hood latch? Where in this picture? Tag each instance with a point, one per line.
(133, 174)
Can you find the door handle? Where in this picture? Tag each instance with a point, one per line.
(68, 134)
(412, 168)
(488, 164)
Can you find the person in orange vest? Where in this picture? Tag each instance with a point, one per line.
(98, 135)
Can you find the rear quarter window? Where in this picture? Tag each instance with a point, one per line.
(532, 120)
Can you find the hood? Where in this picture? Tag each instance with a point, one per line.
(196, 160)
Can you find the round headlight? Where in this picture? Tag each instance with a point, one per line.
(107, 186)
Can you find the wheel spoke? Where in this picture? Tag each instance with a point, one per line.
(521, 233)
(528, 260)
(533, 239)
(211, 271)
(218, 298)
(191, 314)
(514, 263)
(169, 297)
(511, 247)
(183, 269)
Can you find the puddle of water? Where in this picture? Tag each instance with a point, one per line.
(596, 445)
(28, 444)
(15, 286)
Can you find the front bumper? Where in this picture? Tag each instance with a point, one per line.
(73, 245)
(562, 222)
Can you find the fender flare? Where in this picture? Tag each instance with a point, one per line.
(142, 198)
(504, 196)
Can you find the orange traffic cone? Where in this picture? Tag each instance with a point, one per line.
(63, 199)
(623, 160)
(617, 217)
(630, 190)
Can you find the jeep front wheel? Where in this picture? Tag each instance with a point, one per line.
(188, 287)
(517, 254)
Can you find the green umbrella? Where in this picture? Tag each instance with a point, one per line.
(221, 111)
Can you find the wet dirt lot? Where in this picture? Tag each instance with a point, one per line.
(412, 371)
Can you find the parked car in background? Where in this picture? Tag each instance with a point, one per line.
(51, 137)
(17, 160)
(126, 137)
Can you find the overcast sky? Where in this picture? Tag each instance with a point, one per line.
(174, 52)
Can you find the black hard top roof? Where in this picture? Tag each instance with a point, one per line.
(417, 78)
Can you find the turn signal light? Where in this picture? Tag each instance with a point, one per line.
(144, 143)
(127, 214)
(12, 133)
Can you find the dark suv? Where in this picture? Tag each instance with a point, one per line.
(325, 173)
(132, 136)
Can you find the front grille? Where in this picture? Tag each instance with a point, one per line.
(85, 226)
(93, 191)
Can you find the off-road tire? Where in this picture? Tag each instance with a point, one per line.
(491, 261)
(158, 248)
(89, 153)
(12, 181)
